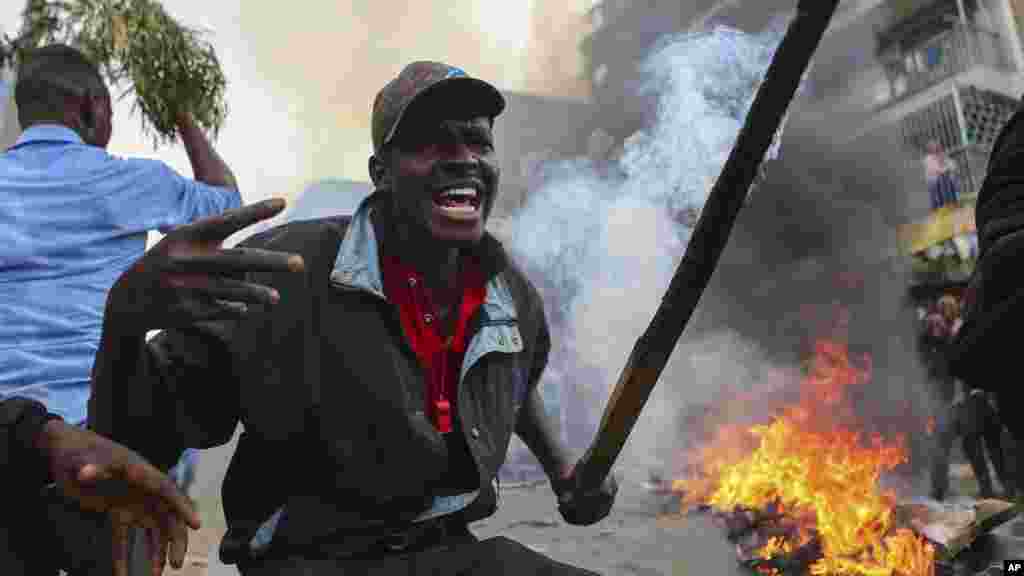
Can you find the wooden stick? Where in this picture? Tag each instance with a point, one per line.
(652, 351)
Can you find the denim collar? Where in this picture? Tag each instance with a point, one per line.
(357, 266)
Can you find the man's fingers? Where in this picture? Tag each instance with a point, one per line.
(207, 289)
(144, 476)
(236, 291)
(223, 225)
(157, 549)
(237, 260)
(178, 542)
(121, 546)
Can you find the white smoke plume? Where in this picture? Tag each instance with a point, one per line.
(602, 241)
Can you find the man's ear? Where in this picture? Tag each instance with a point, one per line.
(79, 116)
(377, 170)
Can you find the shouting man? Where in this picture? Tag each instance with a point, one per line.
(380, 394)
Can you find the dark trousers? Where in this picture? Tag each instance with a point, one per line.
(980, 428)
(464, 556)
(41, 534)
(1008, 402)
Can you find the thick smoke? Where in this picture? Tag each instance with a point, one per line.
(602, 240)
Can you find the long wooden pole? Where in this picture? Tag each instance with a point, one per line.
(652, 351)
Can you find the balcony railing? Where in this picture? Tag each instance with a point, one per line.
(966, 132)
(971, 162)
(952, 52)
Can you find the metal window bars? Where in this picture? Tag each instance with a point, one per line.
(955, 50)
(965, 122)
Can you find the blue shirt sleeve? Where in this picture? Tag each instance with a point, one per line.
(150, 195)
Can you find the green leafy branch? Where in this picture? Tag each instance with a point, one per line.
(139, 48)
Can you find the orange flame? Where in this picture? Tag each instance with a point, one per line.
(809, 463)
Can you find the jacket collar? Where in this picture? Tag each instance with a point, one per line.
(47, 133)
(357, 266)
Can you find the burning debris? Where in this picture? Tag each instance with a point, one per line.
(802, 490)
(800, 494)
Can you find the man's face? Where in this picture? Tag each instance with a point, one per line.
(444, 176)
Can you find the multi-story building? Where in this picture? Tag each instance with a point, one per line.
(903, 71)
(941, 71)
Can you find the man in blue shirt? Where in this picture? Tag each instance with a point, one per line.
(72, 218)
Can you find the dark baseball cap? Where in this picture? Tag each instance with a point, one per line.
(423, 81)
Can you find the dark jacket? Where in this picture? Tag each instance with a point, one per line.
(986, 346)
(331, 395)
(21, 464)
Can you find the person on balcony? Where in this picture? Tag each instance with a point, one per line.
(941, 175)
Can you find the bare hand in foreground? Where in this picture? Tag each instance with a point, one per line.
(188, 277)
(103, 476)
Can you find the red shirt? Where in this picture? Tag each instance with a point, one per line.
(419, 313)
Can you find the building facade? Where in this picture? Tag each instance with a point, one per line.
(945, 74)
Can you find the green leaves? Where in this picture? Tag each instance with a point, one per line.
(139, 48)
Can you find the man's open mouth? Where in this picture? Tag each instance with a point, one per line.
(458, 203)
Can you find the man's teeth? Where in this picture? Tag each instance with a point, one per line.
(464, 194)
(459, 209)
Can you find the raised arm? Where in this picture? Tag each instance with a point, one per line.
(207, 165)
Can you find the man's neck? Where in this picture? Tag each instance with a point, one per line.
(439, 268)
(438, 264)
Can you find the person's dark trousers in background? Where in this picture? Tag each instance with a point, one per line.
(1008, 402)
(982, 432)
(977, 423)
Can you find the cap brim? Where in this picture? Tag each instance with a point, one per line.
(457, 96)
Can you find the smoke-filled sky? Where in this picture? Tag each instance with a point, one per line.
(302, 75)
(601, 241)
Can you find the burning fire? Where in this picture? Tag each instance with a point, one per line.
(811, 467)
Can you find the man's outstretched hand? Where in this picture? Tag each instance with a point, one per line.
(582, 506)
(188, 277)
(103, 476)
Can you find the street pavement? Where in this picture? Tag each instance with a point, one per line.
(635, 540)
(631, 541)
